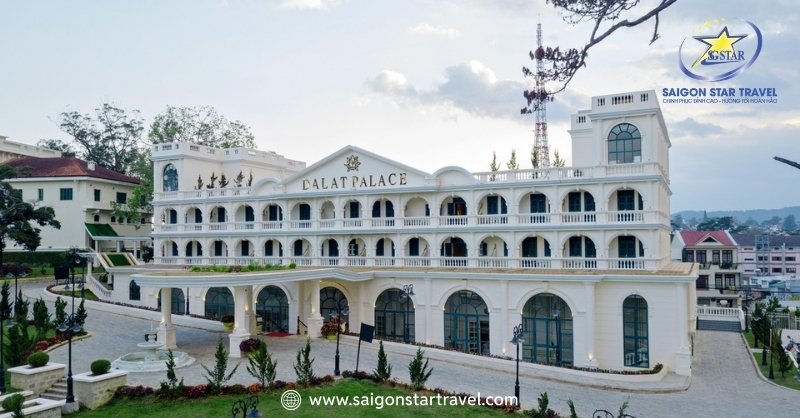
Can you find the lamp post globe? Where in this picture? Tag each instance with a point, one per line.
(405, 296)
(517, 340)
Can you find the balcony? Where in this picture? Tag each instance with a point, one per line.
(423, 222)
(496, 263)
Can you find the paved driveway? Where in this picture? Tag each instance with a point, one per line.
(724, 381)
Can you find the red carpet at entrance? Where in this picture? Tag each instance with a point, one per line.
(278, 334)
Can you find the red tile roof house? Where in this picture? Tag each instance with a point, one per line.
(719, 278)
(81, 194)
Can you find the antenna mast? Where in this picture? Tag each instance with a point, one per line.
(540, 145)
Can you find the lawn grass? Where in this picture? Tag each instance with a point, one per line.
(269, 405)
(787, 380)
(87, 294)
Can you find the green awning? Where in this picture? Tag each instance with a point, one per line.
(100, 230)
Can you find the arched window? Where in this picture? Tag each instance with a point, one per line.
(624, 144)
(170, 178)
(272, 307)
(635, 333)
(394, 315)
(134, 292)
(219, 303)
(466, 323)
(331, 301)
(547, 321)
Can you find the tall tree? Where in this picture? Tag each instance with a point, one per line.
(111, 137)
(141, 198)
(17, 217)
(606, 17)
(557, 160)
(201, 125)
(494, 166)
(512, 163)
(58, 145)
(534, 157)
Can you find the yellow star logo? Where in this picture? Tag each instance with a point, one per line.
(722, 43)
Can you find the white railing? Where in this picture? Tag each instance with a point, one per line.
(549, 263)
(556, 173)
(478, 221)
(718, 311)
(578, 217)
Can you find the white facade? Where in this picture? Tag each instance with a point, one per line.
(84, 206)
(579, 255)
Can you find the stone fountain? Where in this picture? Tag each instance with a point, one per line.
(151, 357)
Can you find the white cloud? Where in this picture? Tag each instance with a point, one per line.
(470, 88)
(426, 29)
(309, 4)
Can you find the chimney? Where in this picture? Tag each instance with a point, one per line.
(90, 165)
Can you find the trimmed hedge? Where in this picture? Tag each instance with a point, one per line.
(35, 258)
(38, 359)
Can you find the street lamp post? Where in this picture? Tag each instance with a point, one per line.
(405, 296)
(70, 327)
(187, 301)
(771, 354)
(558, 337)
(517, 340)
(338, 313)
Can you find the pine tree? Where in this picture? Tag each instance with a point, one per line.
(80, 315)
(512, 163)
(5, 301)
(262, 366)
(199, 182)
(250, 179)
(384, 370)
(418, 372)
(304, 365)
(557, 160)
(41, 318)
(239, 179)
(217, 377)
(171, 388)
(61, 311)
(494, 166)
(223, 181)
(21, 307)
(212, 181)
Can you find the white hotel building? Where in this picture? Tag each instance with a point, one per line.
(580, 256)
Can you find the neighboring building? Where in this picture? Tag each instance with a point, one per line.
(80, 193)
(715, 252)
(780, 256)
(10, 150)
(580, 256)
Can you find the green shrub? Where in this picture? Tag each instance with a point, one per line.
(100, 367)
(14, 404)
(38, 359)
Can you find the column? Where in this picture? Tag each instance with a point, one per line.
(589, 295)
(428, 314)
(683, 354)
(314, 320)
(166, 331)
(242, 318)
(505, 321)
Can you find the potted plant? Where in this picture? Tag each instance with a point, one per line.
(99, 367)
(328, 330)
(249, 345)
(227, 320)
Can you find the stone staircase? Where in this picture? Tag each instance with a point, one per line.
(57, 392)
(711, 325)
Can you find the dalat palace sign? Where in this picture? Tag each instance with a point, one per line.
(353, 181)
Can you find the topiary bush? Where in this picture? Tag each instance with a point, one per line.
(100, 367)
(38, 359)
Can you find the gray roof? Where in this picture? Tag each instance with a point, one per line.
(749, 240)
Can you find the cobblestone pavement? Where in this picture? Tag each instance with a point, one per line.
(724, 381)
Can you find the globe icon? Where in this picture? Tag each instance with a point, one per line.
(290, 400)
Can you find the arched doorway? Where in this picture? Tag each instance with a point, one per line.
(393, 310)
(219, 303)
(178, 305)
(466, 323)
(272, 307)
(547, 321)
(331, 301)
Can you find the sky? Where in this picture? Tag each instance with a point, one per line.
(426, 83)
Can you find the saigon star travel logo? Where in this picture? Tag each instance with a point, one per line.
(719, 50)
